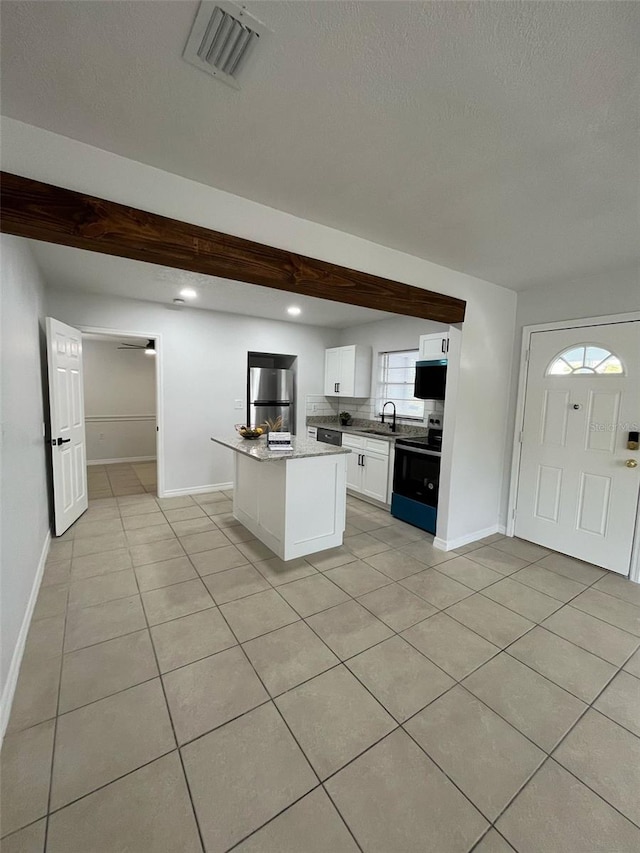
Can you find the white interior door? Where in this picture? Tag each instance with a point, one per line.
(67, 439)
(579, 482)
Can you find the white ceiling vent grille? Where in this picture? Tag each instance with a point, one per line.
(222, 38)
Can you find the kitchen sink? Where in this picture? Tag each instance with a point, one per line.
(378, 432)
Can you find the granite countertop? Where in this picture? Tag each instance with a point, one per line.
(257, 448)
(362, 429)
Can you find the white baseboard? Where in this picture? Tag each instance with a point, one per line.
(14, 670)
(196, 490)
(452, 544)
(123, 459)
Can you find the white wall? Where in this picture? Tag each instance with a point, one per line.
(473, 458)
(24, 508)
(614, 292)
(395, 333)
(203, 364)
(119, 401)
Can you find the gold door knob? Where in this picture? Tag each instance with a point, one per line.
(631, 463)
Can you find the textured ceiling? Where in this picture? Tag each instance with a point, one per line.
(496, 138)
(90, 272)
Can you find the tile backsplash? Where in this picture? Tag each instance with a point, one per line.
(320, 406)
(363, 409)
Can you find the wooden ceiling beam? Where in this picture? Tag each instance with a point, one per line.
(52, 214)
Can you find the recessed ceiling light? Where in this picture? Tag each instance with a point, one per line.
(188, 293)
(294, 310)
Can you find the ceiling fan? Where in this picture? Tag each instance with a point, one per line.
(149, 348)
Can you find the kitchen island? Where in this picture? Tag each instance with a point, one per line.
(294, 501)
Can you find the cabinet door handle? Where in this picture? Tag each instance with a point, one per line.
(447, 344)
(444, 343)
(362, 463)
(337, 386)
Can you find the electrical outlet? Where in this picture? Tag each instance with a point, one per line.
(101, 436)
(238, 404)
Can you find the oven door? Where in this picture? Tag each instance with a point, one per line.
(416, 474)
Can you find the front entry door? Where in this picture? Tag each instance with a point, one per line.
(67, 440)
(579, 483)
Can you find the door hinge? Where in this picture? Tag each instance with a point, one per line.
(513, 514)
(521, 436)
(526, 356)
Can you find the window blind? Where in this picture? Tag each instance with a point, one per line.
(396, 383)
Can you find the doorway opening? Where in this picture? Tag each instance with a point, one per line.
(120, 408)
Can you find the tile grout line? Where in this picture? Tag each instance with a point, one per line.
(171, 721)
(55, 730)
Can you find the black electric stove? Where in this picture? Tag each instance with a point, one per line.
(421, 442)
(416, 477)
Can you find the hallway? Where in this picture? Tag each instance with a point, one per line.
(122, 478)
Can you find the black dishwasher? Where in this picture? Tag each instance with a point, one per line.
(329, 436)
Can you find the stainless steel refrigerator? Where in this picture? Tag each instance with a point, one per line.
(272, 394)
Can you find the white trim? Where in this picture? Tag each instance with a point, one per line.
(527, 331)
(89, 419)
(16, 660)
(452, 544)
(579, 323)
(634, 568)
(117, 333)
(197, 490)
(122, 459)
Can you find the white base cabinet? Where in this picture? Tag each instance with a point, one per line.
(295, 506)
(368, 467)
(347, 371)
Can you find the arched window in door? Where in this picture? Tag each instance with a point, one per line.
(585, 359)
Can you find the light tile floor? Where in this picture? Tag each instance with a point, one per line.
(121, 478)
(184, 690)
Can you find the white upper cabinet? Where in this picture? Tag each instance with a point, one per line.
(347, 371)
(433, 347)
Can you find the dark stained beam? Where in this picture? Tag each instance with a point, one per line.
(55, 215)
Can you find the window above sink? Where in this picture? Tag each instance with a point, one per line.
(397, 373)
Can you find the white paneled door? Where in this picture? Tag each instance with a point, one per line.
(67, 439)
(579, 477)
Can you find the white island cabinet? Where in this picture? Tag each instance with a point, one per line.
(294, 502)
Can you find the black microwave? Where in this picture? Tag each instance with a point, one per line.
(431, 379)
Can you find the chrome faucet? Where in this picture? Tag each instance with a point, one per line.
(393, 422)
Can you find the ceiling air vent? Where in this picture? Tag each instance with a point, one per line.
(222, 38)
